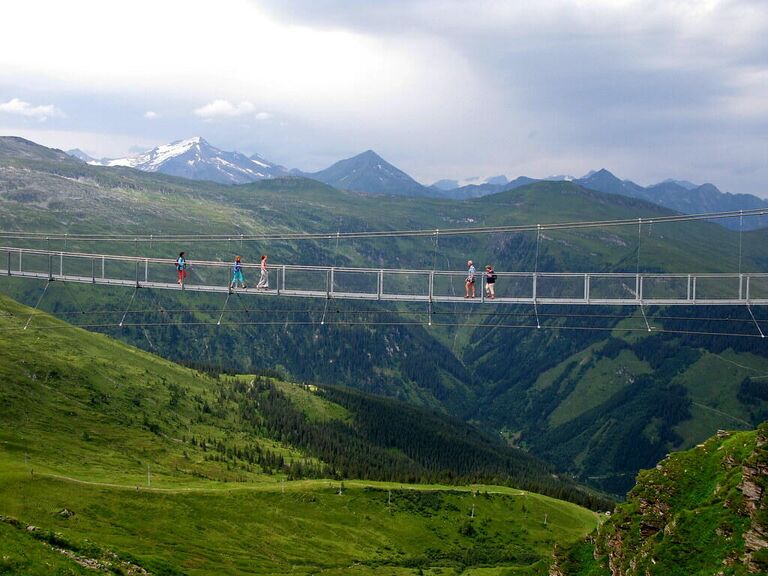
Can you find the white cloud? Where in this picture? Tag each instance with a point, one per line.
(150, 115)
(225, 109)
(22, 108)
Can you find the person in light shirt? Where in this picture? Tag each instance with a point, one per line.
(264, 279)
(469, 283)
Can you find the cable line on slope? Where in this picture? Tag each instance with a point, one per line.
(401, 323)
(148, 238)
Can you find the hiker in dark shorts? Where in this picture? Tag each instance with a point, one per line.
(490, 282)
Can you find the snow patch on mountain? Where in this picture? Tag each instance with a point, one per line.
(196, 159)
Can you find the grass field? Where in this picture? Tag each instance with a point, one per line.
(96, 452)
(300, 528)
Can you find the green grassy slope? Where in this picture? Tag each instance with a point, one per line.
(698, 512)
(148, 456)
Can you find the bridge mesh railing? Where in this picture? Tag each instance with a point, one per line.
(318, 281)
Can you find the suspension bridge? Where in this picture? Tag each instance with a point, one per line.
(430, 286)
(398, 285)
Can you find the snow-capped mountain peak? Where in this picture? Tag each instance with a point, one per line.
(195, 158)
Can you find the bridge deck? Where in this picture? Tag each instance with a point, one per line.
(393, 285)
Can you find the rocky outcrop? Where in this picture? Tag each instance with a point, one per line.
(753, 488)
(110, 563)
(705, 510)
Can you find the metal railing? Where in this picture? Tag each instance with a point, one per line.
(598, 288)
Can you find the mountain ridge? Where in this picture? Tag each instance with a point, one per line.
(369, 173)
(196, 159)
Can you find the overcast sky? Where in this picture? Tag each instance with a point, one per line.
(441, 88)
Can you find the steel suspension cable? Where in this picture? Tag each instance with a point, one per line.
(149, 238)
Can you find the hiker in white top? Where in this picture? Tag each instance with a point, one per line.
(469, 283)
(264, 279)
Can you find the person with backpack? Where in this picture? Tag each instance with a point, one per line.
(264, 278)
(181, 266)
(237, 274)
(490, 281)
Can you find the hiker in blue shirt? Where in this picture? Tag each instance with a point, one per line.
(181, 266)
(237, 274)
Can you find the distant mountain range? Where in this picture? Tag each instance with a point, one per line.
(683, 197)
(679, 195)
(369, 173)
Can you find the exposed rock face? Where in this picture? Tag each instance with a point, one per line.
(704, 511)
(753, 487)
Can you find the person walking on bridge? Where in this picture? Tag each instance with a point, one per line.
(181, 266)
(237, 274)
(469, 282)
(490, 282)
(264, 278)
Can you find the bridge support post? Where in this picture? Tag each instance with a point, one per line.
(380, 287)
(93, 270)
(688, 293)
(431, 285)
(693, 294)
(330, 283)
(282, 273)
(50, 267)
(137, 275)
(146, 270)
(746, 295)
(741, 286)
(9, 262)
(586, 288)
(61, 263)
